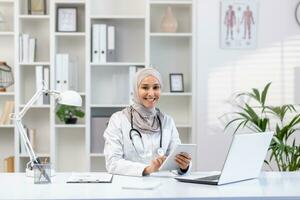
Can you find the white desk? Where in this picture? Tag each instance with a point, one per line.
(270, 185)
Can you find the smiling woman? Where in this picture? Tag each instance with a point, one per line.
(138, 138)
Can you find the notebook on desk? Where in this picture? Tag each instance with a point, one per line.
(244, 160)
(90, 177)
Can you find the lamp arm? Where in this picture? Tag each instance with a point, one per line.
(17, 118)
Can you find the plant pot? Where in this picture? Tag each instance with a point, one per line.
(71, 121)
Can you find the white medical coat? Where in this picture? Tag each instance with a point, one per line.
(121, 156)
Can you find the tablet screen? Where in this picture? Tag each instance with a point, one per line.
(170, 163)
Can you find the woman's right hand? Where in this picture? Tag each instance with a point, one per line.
(155, 165)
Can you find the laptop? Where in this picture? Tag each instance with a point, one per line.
(244, 160)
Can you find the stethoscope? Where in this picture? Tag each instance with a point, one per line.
(160, 150)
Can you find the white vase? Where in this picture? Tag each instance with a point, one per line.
(169, 22)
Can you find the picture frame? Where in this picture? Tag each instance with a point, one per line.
(37, 7)
(238, 24)
(66, 19)
(176, 82)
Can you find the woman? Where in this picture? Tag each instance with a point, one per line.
(139, 137)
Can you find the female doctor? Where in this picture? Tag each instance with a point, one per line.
(138, 138)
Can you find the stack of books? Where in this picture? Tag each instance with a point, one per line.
(6, 111)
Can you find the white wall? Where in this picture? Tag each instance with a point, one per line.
(222, 72)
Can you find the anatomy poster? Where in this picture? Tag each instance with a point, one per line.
(238, 24)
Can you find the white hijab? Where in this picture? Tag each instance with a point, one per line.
(144, 119)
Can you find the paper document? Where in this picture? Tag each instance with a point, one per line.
(138, 185)
(91, 177)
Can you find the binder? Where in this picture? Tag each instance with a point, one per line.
(25, 41)
(132, 71)
(46, 77)
(58, 75)
(96, 43)
(65, 72)
(21, 48)
(32, 44)
(102, 43)
(39, 82)
(110, 43)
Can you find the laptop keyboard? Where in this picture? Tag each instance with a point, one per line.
(209, 178)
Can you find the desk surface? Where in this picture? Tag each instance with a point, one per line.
(270, 185)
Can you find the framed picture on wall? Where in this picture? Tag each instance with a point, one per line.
(238, 24)
(176, 82)
(37, 7)
(66, 19)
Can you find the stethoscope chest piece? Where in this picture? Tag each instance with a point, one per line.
(160, 152)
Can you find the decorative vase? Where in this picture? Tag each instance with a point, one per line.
(71, 120)
(169, 22)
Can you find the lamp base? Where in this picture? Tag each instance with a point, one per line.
(2, 89)
(30, 173)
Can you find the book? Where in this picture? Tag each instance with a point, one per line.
(11, 106)
(91, 177)
(9, 165)
(4, 112)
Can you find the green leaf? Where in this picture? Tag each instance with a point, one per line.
(264, 93)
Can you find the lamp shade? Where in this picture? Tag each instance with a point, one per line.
(70, 98)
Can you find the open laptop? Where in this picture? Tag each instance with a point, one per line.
(244, 160)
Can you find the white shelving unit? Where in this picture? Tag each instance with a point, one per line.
(104, 87)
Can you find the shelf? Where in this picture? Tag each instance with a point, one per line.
(117, 17)
(7, 1)
(35, 63)
(171, 34)
(125, 64)
(6, 33)
(109, 105)
(36, 106)
(34, 17)
(97, 154)
(183, 126)
(70, 34)
(69, 126)
(182, 2)
(25, 155)
(7, 126)
(176, 94)
(7, 93)
(69, 1)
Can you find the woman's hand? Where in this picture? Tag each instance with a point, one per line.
(154, 166)
(183, 160)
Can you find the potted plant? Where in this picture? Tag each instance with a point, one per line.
(254, 114)
(69, 114)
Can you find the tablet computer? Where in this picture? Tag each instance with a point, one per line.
(170, 163)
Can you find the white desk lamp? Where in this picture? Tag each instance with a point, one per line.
(68, 97)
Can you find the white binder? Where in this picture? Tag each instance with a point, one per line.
(102, 43)
(65, 72)
(25, 41)
(58, 74)
(32, 44)
(96, 43)
(110, 43)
